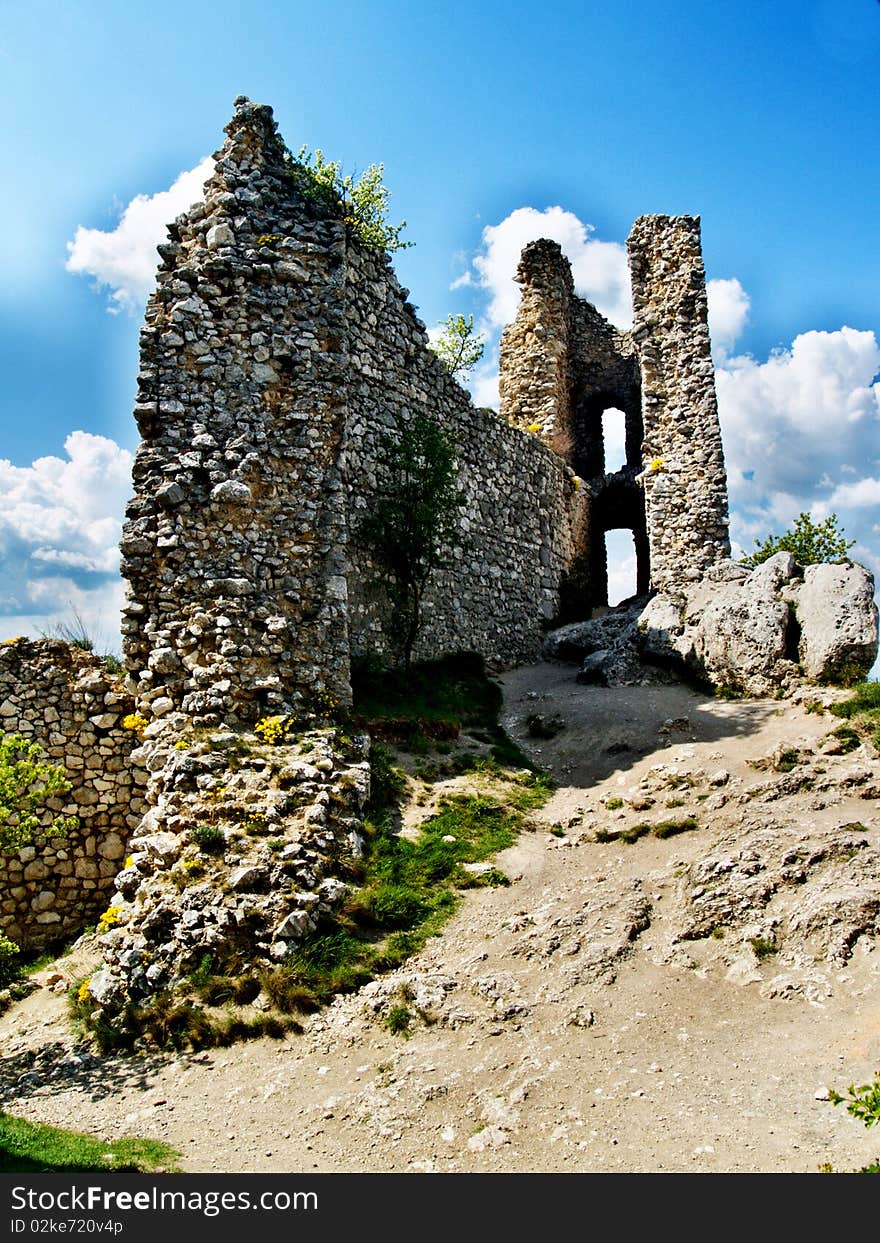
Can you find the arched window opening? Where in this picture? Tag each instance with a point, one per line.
(620, 554)
(614, 439)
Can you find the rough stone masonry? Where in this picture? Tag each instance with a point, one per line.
(276, 351)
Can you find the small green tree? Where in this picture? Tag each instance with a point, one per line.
(414, 522)
(364, 203)
(27, 782)
(459, 346)
(808, 542)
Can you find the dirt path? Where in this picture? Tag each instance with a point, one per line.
(583, 1018)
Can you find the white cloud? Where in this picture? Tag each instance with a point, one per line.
(801, 433)
(859, 495)
(123, 259)
(60, 524)
(599, 269)
(806, 415)
(728, 312)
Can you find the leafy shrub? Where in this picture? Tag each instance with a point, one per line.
(10, 961)
(808, 542)
(398, 1020)
(362, 203)
(209, 838)
(27, 783)
(459, 346)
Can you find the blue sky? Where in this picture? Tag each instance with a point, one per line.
(762, 118)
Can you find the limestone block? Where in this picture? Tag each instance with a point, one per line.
(838, 619)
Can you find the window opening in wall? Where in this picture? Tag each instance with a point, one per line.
(620, 551)
(614, 438)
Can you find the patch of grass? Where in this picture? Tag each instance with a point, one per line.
(849, 738)
(454, 691)
(763, 947)
(862, 711)
(432, 704)
(670, 828)
(787, 760)
(387, 782)
(32, 1147)
(492, 878)
(209, 838)
(633, 833)
(398, 1020)
(613, 804)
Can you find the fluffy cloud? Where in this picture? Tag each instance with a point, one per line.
(60, 524)
(123, 260)
(599, 268)
(728, 311)
(802, 433)
(805, 417)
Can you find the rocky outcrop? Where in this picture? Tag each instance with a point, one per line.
(837, 616)
(754, 631)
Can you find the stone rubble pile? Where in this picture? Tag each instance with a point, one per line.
(237, 859)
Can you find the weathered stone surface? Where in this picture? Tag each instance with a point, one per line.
(838, 620)
(65, 700)
(773, 626)
(563, 365)
(277, 353)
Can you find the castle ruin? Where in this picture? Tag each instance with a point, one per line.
(278, 351)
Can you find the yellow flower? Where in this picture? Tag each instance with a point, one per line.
(129, 861)
(82, 993)
(534, 427)
(135, 722)
(272, 729)
(655, 464)
(111, 918)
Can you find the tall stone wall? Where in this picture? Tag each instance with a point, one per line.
(67, 702)
(686, 500)
(535, 379)
(521, 506)
(276, 351)
(234, 545)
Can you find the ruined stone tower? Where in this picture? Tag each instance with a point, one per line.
(563, 365)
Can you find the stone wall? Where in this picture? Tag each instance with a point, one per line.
(234, 545)
(521, 506)
(66, 701)
(686, 500)
(276, 351)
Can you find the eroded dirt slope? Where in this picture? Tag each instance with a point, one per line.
(675, 1002)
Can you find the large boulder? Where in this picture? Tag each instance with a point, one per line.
(838, 621)
(769, 627)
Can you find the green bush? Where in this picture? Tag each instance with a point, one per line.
(363, 204)
(27, 783)
(209, 838)
(808, 542)
(10, 961)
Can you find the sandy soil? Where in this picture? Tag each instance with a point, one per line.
(566, 1025)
